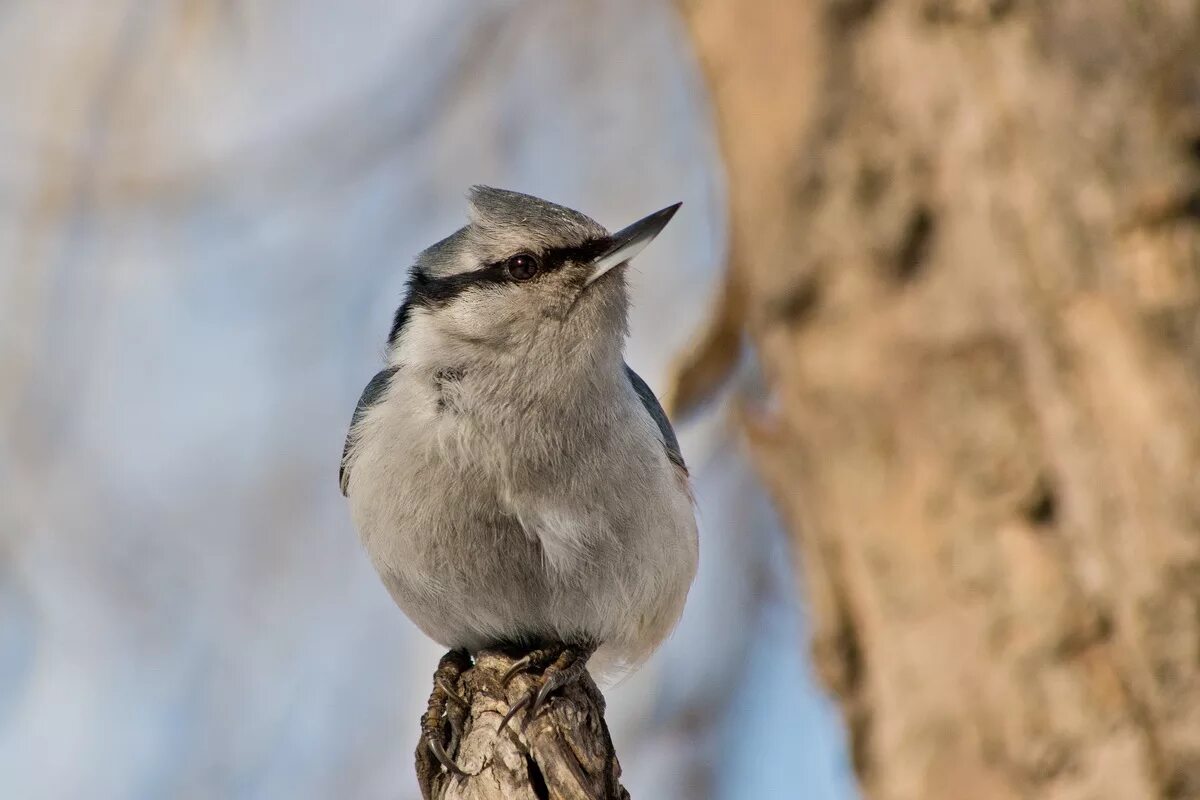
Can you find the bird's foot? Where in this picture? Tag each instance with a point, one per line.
(560, 664)
(533, 660)
(446, 704)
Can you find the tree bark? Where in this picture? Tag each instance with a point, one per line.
(965, 240)
(566, 753)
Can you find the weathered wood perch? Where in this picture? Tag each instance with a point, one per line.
(566, 753)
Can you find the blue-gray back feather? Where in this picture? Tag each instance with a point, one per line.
(670, 442)
(370, 396)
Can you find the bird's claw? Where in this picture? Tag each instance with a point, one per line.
(443, 757)
(547, 688)
(518, 666)
(445, 686)
(565, 665)
(513, 709)
(444, 694)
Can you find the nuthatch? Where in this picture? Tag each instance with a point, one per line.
(513, 481)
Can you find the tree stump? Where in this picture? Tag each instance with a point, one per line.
(566, 753)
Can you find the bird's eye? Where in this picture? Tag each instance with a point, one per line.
(522, 266)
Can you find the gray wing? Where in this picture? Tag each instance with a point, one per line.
(670, 443)
(370, 396)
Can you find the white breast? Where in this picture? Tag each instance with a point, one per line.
(482, 530)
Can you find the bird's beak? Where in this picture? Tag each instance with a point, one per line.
(628, 242)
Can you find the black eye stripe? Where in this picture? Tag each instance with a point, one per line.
(584, 252)
(429, 291)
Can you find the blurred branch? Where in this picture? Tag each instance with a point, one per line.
(565, 753)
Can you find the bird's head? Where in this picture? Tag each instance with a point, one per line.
(524, 274)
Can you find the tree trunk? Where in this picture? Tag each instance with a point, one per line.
(565, 753)
(966, 244)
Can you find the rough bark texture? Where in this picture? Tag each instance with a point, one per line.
(966, 243)
(565, 753)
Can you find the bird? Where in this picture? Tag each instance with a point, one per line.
(513, 481)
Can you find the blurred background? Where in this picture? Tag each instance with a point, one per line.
(935, 285)
(207, 212)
